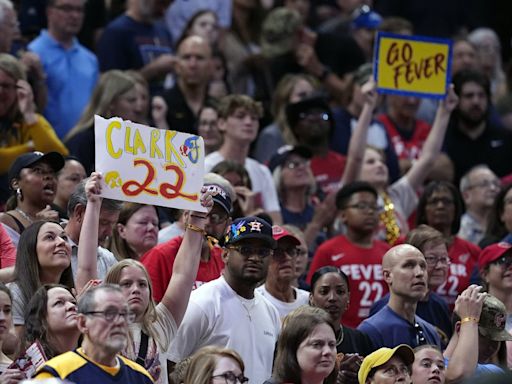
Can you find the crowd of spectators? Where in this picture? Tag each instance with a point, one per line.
(350, 236)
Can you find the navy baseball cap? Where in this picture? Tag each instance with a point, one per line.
(250, 227)
(27, 160)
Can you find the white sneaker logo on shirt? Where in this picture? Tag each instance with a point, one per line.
(337, 257)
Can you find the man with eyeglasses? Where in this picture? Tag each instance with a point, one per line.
(404, 269)
(71, 69)
(159, 260)
(479, 187)
(311, 122)
(278, 287)
(228, 312)
(103, 319)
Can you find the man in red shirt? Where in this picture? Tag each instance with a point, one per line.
(160, 259)
(356, 253)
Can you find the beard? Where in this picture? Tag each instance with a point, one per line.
(473, 118)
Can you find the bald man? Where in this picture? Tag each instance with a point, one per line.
(189, 94)
(405, 271)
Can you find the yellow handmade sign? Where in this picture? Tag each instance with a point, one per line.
(412, 65)
(149, 165)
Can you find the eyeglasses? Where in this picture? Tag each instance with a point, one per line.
(420, 337)
(217, 218)
(434, 260)
(314, 115)
(364, 207)
(248, 251)
(486, 184)
(230, 378)
(292, 164)
(503, 261)
(396, 370)
(281, 253)
(66, 8)
(444, 200)
(113, 315)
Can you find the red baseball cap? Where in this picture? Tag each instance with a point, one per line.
(492, 253)
(279, 232)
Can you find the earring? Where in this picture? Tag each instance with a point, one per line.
(19, 194)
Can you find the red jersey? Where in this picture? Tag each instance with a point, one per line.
(328, 171)
(363, 266)
(159, 262)
(406, 149)
(464, 259)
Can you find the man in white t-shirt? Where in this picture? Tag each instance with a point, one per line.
(227, 312)
(238, 123)
(278, 287)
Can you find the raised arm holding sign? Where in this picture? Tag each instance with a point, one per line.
(148, 165)
(412, 65)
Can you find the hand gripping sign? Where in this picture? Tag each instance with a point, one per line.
(147, 165)
(412, 65)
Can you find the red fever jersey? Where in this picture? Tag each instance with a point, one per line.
(464, 259)
(363, 266)
(328, 171)
(159, 262)
(410, 149)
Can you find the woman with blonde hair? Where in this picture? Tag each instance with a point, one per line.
(155, 324)
(215, 365)
(115, 95)
(22, 130)
(292, 88)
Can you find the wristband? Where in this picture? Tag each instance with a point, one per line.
(469, 319)
(194, 228)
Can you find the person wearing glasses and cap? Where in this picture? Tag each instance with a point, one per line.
(495, 262)
(387, 365)
(478, 343)
(278, 287)
(404, 269)
(228, 312)
(103, 319)
(311, 122)
(160, 259)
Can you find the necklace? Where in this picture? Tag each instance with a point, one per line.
(340, 337)
(24, 215)
(248, 305)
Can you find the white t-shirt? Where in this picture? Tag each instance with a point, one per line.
(164, 329)
(284, 308)
(216, 315)
(260, 176)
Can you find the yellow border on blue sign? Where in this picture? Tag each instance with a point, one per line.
(426, 39)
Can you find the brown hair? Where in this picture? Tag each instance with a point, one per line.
(423, 234)
(297, 326)
(119, 246)
(229, 104)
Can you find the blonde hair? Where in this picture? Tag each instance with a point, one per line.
(149, 315)
(281, 99)
(111, 85)
(15, 69)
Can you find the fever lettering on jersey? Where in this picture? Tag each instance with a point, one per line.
(363, 266)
